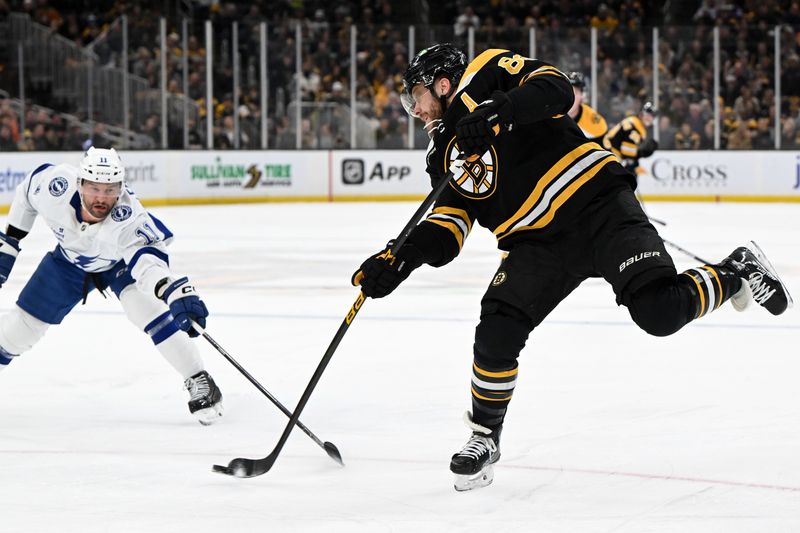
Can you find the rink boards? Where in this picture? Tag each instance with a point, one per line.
(197, 177)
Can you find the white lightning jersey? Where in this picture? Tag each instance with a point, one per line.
(129, 233)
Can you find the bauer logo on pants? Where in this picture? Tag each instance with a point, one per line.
(638, 257)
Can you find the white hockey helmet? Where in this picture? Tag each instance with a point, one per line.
(101, 165)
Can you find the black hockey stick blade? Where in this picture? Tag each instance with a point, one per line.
(330, 448)
(241, 467)
(333, 452)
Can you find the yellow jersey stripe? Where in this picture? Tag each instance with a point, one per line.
(481, 397)
(628, 149)
(637, 123)
(553, 72)
(478, 64)
(489, 374)
(555, 171)
(565, 195)
(547, 69)
(460, 213)
(452, 227)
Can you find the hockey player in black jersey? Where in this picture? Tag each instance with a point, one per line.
(557, 205)
(629, 141)
(591, 123)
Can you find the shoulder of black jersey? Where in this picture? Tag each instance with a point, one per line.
(481, 67)
(637, 123)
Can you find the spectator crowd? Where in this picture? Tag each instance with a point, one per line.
(562, 28)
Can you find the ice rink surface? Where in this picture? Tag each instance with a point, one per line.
(610, 430)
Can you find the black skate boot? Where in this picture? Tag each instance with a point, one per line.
(206, 399)
(473, 464)
(760, 280)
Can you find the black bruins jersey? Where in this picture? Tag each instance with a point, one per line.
(534, 179)
(591, 123)
(624, 139)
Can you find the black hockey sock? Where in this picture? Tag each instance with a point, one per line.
(710, 286)
(491, 393)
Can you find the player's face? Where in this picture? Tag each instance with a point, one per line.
(647, 120)
(426, 106)
(99, 198)
(573, 111)
(578, 92)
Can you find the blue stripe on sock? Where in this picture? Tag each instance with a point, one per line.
(5, 357)
(161, 328)
(165, 332)
(156, 322)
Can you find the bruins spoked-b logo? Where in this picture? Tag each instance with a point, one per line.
(499, 278)
(478, 179)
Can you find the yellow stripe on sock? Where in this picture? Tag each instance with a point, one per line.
(478, 396)
(488, 374)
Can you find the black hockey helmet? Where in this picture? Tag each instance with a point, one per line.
(437, 61)
(576, 79)
(650, 109)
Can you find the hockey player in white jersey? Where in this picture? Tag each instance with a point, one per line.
(106, 240)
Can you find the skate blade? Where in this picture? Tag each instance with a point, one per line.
(763, 258)
(483, 478)
(209, 415)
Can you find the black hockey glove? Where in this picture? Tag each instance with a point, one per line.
(630, 164)
(381, 274)
(476, 131)
(647, 147)
(9, 248)
(184, 304)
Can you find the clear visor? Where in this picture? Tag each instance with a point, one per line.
(409, 103)
(106, 190)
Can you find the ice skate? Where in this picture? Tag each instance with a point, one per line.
(206, 399)
(472, 465)
(761, 281)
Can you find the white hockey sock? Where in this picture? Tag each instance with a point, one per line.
(152, 316)
(182, 354)
(19, 331)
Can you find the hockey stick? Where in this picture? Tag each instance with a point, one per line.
(687, 252)
(329, 447)
(679, 248)
(241, 467)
